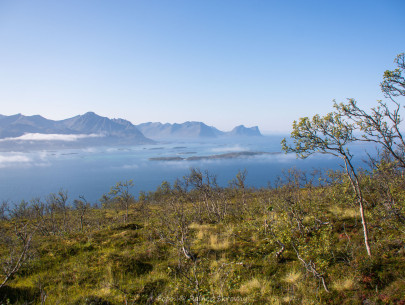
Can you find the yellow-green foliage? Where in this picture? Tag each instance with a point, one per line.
(142, 259)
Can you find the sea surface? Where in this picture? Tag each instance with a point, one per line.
(91, 172)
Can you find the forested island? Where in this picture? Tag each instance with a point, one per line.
(329, 237)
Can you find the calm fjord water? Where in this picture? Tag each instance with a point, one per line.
(91, 172)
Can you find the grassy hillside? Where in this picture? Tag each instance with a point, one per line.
(299, 242)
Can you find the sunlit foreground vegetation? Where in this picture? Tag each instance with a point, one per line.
(194, 242)
(334, 237)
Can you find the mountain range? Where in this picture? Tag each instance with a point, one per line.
(192, 130)
(91, 125)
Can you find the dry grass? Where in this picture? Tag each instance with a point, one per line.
(287, 299)
(230, 229)
(202, 229)
(292, 277)
(257, 285)
(250, 286)
(273, 300)
(343, 284)
(217, 244)
(200, 234)
(343, 212)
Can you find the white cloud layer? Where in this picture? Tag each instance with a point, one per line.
(51, 137)
(234, 148)
(10, 160)
(13, 159)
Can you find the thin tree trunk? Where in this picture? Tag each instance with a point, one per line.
(365, 229)
(356, 187)
(126, 214)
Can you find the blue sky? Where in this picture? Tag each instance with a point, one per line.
(222, 62)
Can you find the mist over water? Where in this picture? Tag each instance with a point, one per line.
(91, 172)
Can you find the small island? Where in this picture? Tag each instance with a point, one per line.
(233, 155)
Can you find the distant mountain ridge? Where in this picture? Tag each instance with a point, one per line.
(87, 124)
(244, 131)
(157, 130)
(91, 123)
(17, 125)
(188, 130)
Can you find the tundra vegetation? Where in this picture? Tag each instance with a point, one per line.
(325, 237)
